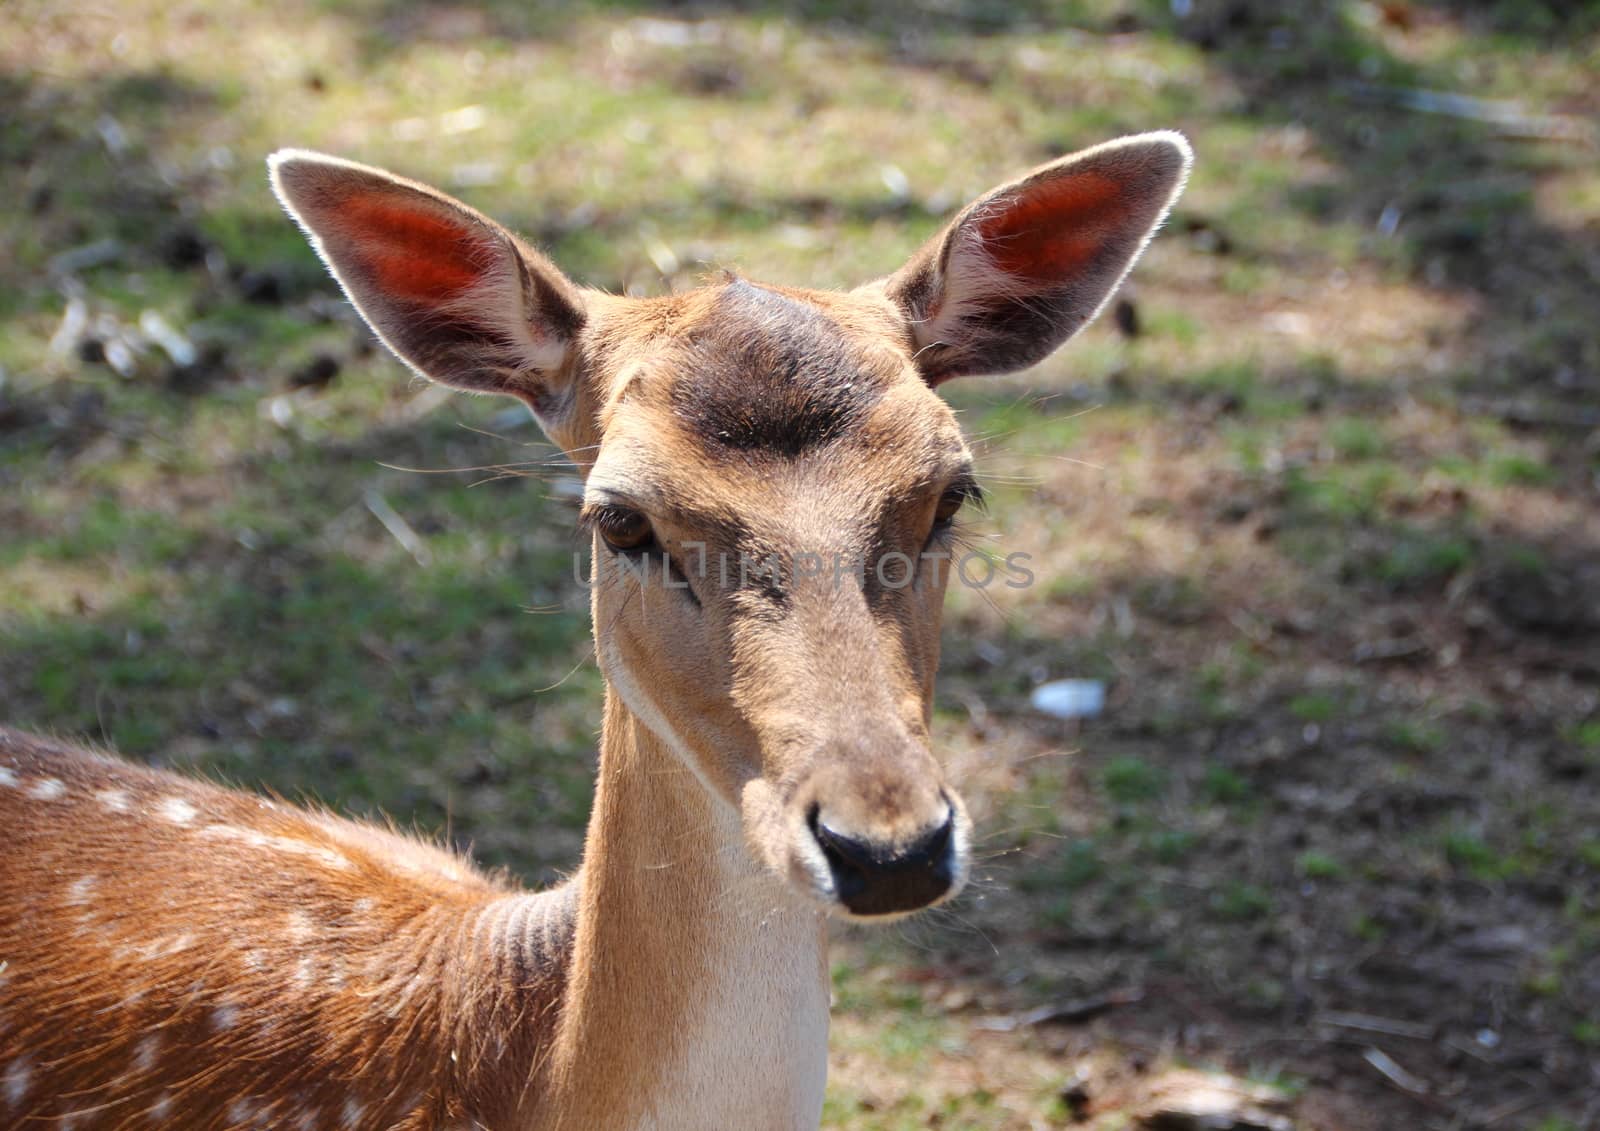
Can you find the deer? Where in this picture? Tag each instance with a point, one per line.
(176, 954)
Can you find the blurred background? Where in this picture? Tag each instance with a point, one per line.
(1314, 508)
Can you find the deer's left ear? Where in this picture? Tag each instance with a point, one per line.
(453, 294)
(1026, 266)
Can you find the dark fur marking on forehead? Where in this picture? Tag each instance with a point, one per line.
(771, 374)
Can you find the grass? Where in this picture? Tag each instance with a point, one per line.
(1319, 866)
(1224, 786)
(1412, 736)
(1468, 852)
(1324, 525)
(1241, 902)
(1314, 707)
(1128, 781)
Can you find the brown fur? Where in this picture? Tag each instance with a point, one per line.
(310, 966)
(180, 955)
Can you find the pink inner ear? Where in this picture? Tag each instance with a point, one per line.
(1054, 228)
(412, 253)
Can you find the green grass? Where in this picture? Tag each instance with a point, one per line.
(1589, 853)
(1319, 866)
(1413, 736)
(1470, 853)
(1239, 901)
(1225, 786)
(1587, 734)
(1315, 707)
(1420, 557)
(1129, 781)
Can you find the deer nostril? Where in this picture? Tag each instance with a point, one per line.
(879, 878)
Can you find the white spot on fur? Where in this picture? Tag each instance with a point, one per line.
(353, 1111)
(305, 972)
(113, 800)
(66, 1122)
(177, 810)
(19, 1074)
(255, 960)
(144, 1057)
(413, 984)
(81, 890)
(281, 843)
(163, 947)
(309, 1119)
(50, 789)
(223, 1018)
(9, 779)
(298, 926)
(161, 1108)
(241, 1111)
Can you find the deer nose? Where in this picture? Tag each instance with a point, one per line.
(884, 878)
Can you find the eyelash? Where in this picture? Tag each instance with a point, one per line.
(963, 492)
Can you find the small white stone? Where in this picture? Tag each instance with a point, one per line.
(1070, 698)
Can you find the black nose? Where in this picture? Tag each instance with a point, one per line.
(873, 878)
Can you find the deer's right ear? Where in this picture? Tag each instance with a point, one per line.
(453, 294)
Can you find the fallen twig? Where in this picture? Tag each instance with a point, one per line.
(1368, 1023)
(397, 526)
(1507, 117)
(1062, 1013)
(1396, 1075)
(1511, 1107)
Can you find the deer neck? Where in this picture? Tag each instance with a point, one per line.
(698, 994)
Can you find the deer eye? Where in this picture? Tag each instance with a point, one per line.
(624, 530)
(950, 503)
(958, 494)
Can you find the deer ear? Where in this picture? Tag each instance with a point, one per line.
(1025, 267)
(453, 294)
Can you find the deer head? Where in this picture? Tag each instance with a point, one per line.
(770, 476)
